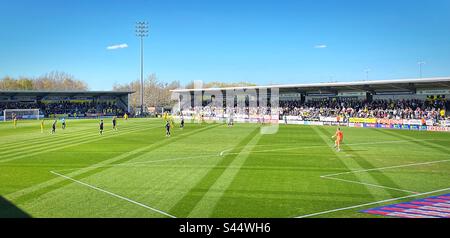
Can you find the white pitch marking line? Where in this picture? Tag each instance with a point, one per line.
(369, 184)
(114, 195)
(143, 162)
(372, 203)
(332, 176)
(320, 146)
(165, 160)
(383, 168)
(88, 139)
(329, 176)
(222, 152)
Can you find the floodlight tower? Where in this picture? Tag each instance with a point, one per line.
(367, 73)
(420, 63)
(141, 32)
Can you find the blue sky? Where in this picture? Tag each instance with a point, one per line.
(260, 41)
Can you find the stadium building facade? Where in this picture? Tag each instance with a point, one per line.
(402, 103)
(68, 104)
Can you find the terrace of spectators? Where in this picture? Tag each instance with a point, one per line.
(425, 98)
(71, 103)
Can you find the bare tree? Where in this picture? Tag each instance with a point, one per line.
(156, 93)
(56, 80)
(133, 86)
(52, 81)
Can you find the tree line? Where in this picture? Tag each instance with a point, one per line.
(158, 93)
(53, 81)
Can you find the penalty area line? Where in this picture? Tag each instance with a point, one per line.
(384, 168)
(114, 195)
(222, 153)
(370, 184)
(371, 203)
(333, 176)
(129, 165)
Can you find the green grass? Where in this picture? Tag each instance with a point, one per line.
(127, 172)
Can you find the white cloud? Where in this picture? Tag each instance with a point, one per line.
(115, 47)
(322, 46)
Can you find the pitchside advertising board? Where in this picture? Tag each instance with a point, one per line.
(401, 127)
(353, 122)
(433, 92)
(445, 123)
(25, 117)
(400, 124)
(362, 120)
(352, 94)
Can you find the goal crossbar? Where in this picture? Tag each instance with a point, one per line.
(8, 114)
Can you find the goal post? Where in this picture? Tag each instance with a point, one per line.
(8, 114)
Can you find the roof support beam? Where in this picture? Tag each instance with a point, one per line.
(445, 84)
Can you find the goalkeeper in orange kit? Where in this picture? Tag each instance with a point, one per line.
(339, 137)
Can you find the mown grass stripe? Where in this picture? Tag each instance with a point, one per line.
(115, 195)
(15, 136)
(280, 178)
(70, 145)
(11, 137)
(205, 207)
(349, 163)
(190, 200)
(67, 140)
(422, 143)
(30, 192)
(56, 142)
(147, 151)
(37, 136)
(379, 181)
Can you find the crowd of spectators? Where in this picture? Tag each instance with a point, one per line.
(337, 107)
(211, 111)
(310, 110)
(67, 107)
(346, 108)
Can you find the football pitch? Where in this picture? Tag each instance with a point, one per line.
(211, 170)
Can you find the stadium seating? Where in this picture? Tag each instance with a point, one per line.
(67, 107)
(391, 109)
(434, 110)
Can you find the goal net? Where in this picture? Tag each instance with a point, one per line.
(8, 114)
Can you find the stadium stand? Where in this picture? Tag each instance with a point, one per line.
(390, 109)
(418, 102)
(67, 104)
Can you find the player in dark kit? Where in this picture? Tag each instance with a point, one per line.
(182, 122)
(63, 123)
(167, 128)
(114, 122)
(54, 127)
(101, 127)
